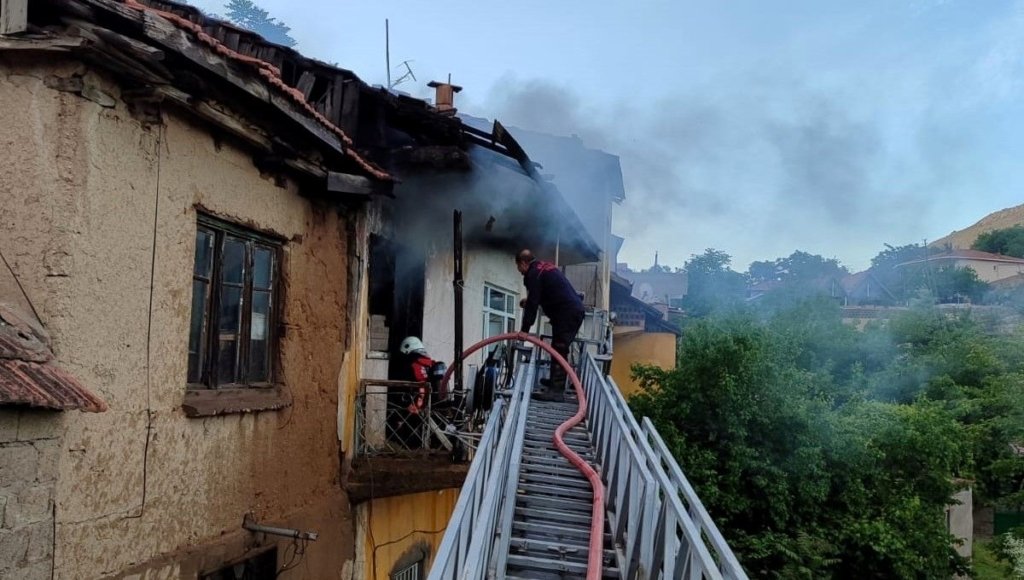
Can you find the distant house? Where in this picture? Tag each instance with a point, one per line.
(865, 288)
(657, 287)
(989, 267)
(642, 335)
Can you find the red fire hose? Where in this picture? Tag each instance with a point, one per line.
(597, 511)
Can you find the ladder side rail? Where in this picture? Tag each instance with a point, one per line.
(451, 553)
(728, 563)
(689, 531)
(499, 556)
(482, 541)
(632, 486)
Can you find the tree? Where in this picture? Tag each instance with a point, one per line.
(1006, 241)
(711, 284)
(806, 483)
(248, 15)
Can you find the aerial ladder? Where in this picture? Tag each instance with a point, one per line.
(576, 489)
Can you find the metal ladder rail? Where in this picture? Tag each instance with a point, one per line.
(679, 507)
(728, 564)
(465, 548)
(632, 491)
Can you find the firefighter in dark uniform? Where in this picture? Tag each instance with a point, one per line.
(548, 288)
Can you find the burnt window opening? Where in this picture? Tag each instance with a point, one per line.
(262, 566)
(235, 286)
(381, 292)
(397, 287)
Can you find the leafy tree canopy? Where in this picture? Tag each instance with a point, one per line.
(1006, 241)
(249, 15)
(826, 452)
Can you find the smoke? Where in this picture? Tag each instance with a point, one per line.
(498, 201)
(759, 170)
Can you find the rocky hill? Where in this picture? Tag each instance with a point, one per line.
(1003, 218)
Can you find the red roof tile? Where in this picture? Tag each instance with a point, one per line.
(27, 373)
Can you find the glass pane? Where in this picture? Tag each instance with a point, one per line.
(495, 324)
(197, 331)
(233, 261)
(262, 268)
(259, 338)
(510, 303)
(227, 339)
(510, 325)
(496, 299)
(204, 253)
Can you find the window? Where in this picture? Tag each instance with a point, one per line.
(234, 316)
(499, 311)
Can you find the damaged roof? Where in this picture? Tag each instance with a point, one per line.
(28, 375)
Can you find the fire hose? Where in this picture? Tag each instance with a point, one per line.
(597, 509)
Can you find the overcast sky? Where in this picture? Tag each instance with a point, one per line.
(756, 127)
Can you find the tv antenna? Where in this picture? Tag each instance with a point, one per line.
(405, 76)
(387, 60)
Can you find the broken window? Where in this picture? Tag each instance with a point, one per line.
(234, 315)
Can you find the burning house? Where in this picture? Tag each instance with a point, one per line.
(220, 241)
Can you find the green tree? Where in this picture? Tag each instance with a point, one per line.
(810, 469)
(249, 15)
(1006, 241)
(711, 283)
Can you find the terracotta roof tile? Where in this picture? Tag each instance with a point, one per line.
(27, 373)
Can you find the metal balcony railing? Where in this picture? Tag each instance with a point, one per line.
(385, 425)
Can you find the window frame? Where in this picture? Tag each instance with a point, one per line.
(208, 348)
(507, 315)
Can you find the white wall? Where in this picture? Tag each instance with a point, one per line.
(480, 266)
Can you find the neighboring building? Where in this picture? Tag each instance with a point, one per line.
(642, 335)
(183, 219)
(656, 287)
(865, 288)
(989, 267)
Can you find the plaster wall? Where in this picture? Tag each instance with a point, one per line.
(97, 219)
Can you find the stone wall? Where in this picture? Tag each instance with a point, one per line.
(29, 450)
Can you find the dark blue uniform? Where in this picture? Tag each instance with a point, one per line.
(548, 288)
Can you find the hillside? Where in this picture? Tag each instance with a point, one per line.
(1003, 218)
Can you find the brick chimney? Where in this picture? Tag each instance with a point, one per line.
(444, 97)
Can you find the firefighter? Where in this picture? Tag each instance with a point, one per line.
(547, 287)
(420, 367)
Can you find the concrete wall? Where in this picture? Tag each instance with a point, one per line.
(29, 449)
(655, 348)
(991, 271)
(396, 531)
(98, 222)
(960, 518)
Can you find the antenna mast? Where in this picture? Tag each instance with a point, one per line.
(387, 49)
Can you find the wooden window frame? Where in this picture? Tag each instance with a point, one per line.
(208, 347)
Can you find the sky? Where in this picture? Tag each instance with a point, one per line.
(753, 127)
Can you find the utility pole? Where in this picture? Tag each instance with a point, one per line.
(387, 49)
